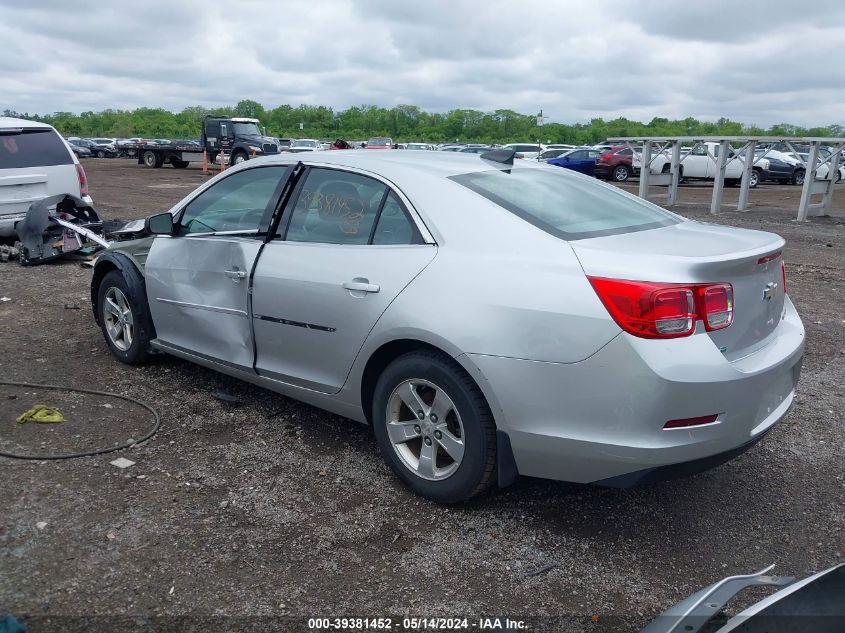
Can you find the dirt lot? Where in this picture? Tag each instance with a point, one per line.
(260, 515)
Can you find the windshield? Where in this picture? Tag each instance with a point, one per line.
(246, 129)
(565, 205)
(379, 140)
(303, 144)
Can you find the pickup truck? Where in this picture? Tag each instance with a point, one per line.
(700, 163)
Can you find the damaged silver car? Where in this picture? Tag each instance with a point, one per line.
(488, 317)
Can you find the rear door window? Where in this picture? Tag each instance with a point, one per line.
(32, 148)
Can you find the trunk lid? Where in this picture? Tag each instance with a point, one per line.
(693, 252)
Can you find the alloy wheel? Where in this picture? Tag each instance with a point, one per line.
(425, 429)
(117, 315)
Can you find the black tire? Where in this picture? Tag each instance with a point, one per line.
(798, 177)
(731, 182)
(754, 179)
(142, 331)
(150, 159)
(783, 181)
(101, 154)
(477, 469)
(238, 157)
(621, 173)
(179, 164)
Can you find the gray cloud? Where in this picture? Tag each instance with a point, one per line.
(756, 61)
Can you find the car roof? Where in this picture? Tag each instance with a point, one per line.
(398, 165)
(10, 122)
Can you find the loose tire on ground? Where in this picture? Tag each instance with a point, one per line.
(468, 418)
(128, 337)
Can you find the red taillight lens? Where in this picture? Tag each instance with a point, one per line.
(83, 181)
(605, 157)
(783, 275)
(717, 303)
(686, 422)
(648, 310)
(656, 310)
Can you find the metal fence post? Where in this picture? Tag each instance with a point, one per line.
(645, 169)
(809, 181)
(675, 170)
(747, 168)
(719, 180)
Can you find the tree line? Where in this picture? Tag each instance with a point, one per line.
(403, 123)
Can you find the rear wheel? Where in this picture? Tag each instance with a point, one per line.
(753, 178)
(150, 159)
(434, 427)
(798, 177)
(621, 173)
(124, 318)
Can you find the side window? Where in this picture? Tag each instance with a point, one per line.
(236, 203)
(701, 150)
(577, 155)
(335, 207)
(395, 225)
(625, 152)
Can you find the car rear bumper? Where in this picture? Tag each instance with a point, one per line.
(601, 420)
(603, 170)
(8, 220)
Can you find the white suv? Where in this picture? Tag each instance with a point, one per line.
(35, 162)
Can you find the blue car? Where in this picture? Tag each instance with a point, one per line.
(582, 160)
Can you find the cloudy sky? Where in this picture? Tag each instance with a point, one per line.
(756, 61)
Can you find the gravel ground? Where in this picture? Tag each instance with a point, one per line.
(256, 517)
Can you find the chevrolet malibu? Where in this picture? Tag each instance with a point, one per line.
(488, 318)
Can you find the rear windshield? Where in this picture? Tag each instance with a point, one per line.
(565, 205)
(32, 148)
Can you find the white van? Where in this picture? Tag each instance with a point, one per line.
(35, 162)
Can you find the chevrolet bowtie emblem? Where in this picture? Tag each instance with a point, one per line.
(769, 291)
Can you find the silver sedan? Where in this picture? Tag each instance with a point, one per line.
(488, 317)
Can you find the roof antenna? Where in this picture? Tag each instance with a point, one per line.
(504, 156)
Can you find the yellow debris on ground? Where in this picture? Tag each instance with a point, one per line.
(41, 414)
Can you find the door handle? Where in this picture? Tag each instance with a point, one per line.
(361, 286)
(235, 274)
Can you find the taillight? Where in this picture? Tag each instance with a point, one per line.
(605, 158)
(783, 274)
(717, 302)
(83, 181)
(658, 310)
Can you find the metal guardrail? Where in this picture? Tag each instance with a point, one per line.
(670, 147)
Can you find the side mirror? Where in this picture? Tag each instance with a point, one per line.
(161, 224)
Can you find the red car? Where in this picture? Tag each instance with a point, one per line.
(616, 164)
(380, 142)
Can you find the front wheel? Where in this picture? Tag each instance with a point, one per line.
(239, 157)
(621, 173)
(101, 154)
(434, 427)
(798, 177)
(753, 178)
(123, 317)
